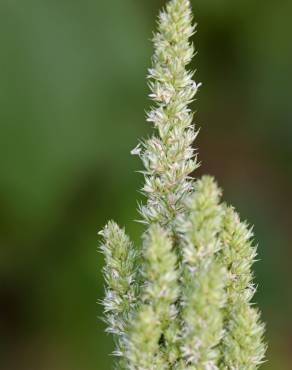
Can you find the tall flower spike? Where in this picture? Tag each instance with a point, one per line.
(169, 158)
(203, 278)
(243, 346)
(119, 273)
(146, 341)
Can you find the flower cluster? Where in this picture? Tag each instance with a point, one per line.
(169, 157)
(182, 301)
(157, 306)
(120, 275)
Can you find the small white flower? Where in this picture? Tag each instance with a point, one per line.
(196, 86)
(137, 150)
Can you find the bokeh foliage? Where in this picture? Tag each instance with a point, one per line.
(72, 101)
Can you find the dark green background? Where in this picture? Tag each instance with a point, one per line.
(72, 101)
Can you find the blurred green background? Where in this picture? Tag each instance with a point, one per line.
(72, 101)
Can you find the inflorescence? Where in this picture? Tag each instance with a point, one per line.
(184, 299)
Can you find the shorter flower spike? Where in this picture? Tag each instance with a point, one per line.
(203, 277)
(147, 344)
(119, 273)
(243, 346)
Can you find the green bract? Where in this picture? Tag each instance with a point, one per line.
(184, 300)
